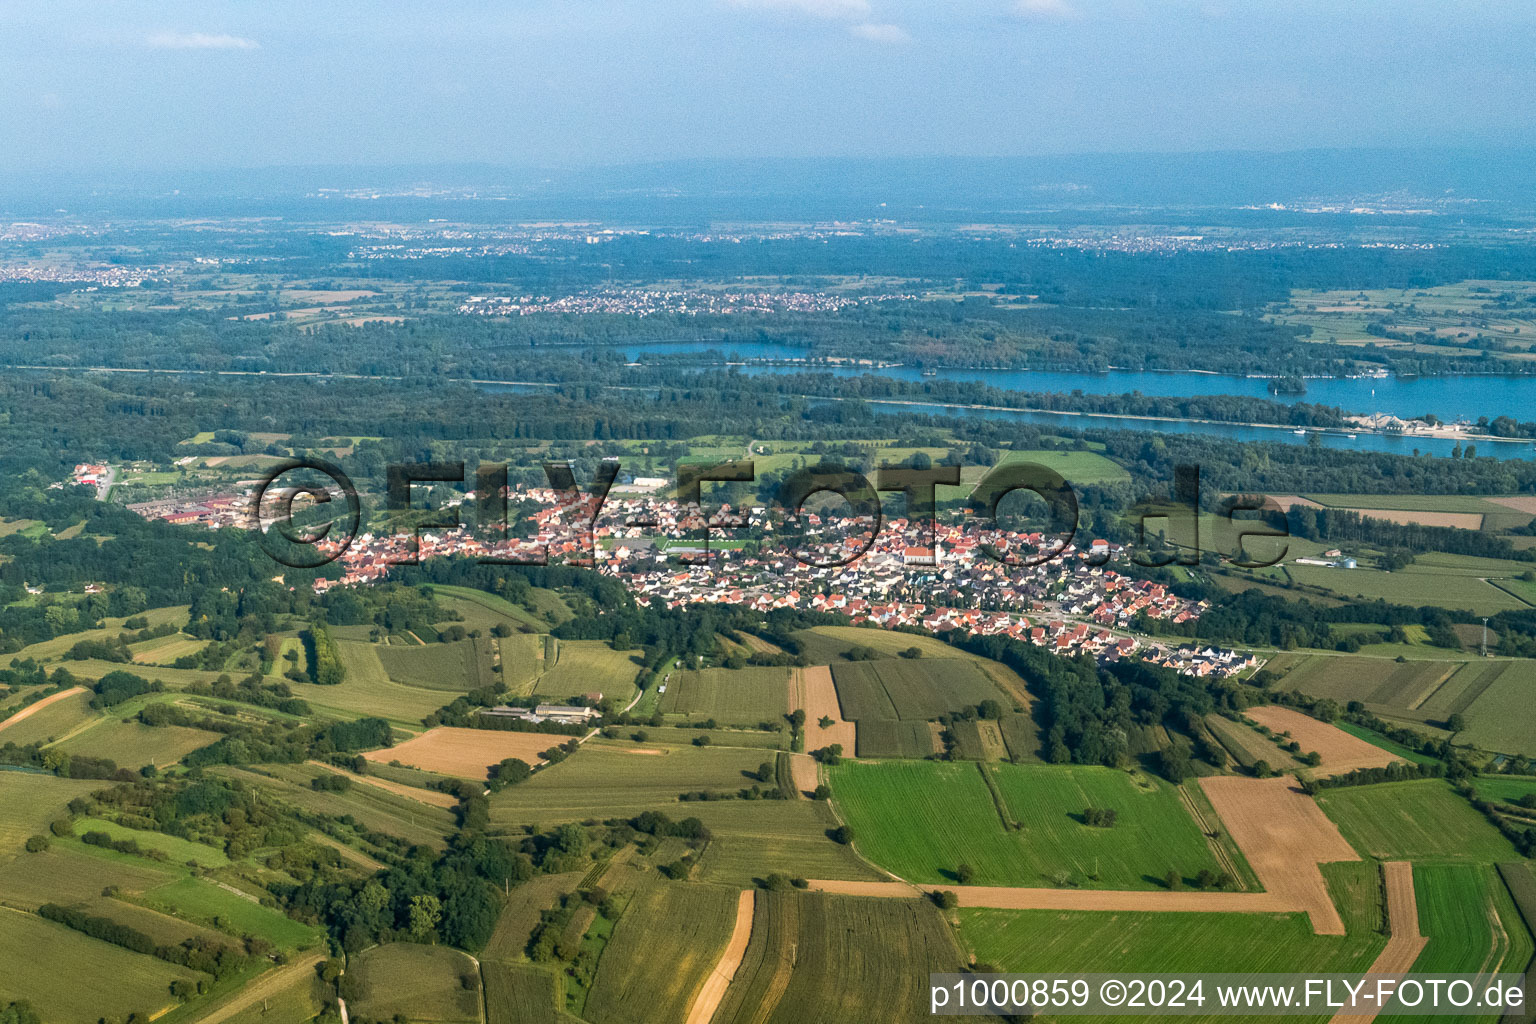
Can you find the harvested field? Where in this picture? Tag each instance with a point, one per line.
(32, 709)
(1405, 943)
(1404, 517)
(1520, 503)
(1284, 836)
(426, 796)
(719, 980)
(1341, 752)
(996, 897)
(804, 768)
(1247, 745)
(466, 753)
(813, 690)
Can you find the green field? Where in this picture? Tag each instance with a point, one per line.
(684, 927)
(521, 994)
(1507, 788)
(1390, 746)
(51, 723)
(743, 696)
(887, 737)
(923, 819)
(163, 650)
(180, 851)
(101, 978)
(28, 802)
(133, 745)
(484, 611)
(368, 690)
(205, 903)
(522, 660)
(1442, 587)
(1472, 925)
(911, 689)
(815, 957)
(588, 666)
(52, 649)
(1503, 717)
(751, 838)
(300, 1001)
(420, 983)
(825, 645)
(1424, 820)
(71, 872)
(371, 807)
(461, 666)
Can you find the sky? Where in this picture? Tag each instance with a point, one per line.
(254, 83)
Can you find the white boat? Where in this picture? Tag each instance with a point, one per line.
(1351, 436)
(1299, 433)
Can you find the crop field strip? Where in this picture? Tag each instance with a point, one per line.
(466, 753)
(742, 696)
(1340, 751)
(685, 927)
(1404, 942)
(1424, 821)
(416, 982)
(821, 957)
(921, 820)
(587, 666)
(460, 665)
(1472, 924)
(103, 978)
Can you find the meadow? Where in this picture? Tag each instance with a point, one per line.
(53, 722)
(29, 801)
(744, 696)
(71, 872)
(1508, 788)
(587, 666)
(179, 850)
(419, 983)
(685, 928)
(818, 957)
(371, 807)
(204, 902)
(1422, 821)
(368, 690)
(133, 745)
(921, 820)
(102, 978)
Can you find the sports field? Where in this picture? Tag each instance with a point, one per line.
(419, 983)
(1424, 821)
(921, 820)
(743, 696)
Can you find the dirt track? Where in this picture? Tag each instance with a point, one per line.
(264, 987)
(720, 978)
(32, 709)
(1285, 836)
(1003, 898)
(431, 797)
(1342, 753)
(803, 766)
(1406, 943)
(812, 689)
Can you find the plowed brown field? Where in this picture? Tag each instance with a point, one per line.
(1341, 752)
(812, 689)
(1285, 836)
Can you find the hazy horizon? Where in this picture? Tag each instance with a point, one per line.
(585, 84)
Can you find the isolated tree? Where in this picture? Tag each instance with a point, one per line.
(842, 834)
(1456, 723)
(1174, 880)
(964, 873)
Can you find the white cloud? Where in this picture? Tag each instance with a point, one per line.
(200, 41)
(815, 8)
(1045, 10)
(893, 35)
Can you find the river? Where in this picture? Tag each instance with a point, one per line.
(1450, 398)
